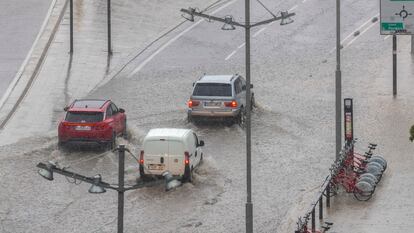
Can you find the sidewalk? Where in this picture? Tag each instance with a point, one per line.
(63, 78)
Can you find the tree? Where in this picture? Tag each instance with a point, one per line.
(412, 133)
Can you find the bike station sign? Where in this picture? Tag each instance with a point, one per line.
(348, 120)
(397, 17)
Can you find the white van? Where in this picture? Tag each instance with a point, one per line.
(175, 150)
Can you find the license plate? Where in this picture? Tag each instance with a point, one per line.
(156, 166)
(82, 128)
(212, 104)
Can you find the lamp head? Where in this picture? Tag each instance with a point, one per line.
(228, 23)
(47, 172)
(170, 181)
(189, 16)
(95, 188)
(285, 19)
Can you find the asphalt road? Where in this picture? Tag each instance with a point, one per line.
(292, 127)
(20, 22)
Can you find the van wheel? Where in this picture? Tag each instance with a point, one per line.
(61, 146)
(189, 118)
(188, 176)
(142, 174)
(241, 118)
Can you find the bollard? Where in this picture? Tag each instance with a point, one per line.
(328, 193)
(320, 208)
(313, 220)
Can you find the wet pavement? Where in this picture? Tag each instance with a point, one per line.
(292, 127)
(20, 22)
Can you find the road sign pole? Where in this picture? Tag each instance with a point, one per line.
(412, 45)
(394, 65)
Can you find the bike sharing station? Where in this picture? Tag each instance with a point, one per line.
(397, 18)
(353, 172)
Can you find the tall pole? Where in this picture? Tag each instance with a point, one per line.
(121, 188)
(412, 45)
(71, 25)
(338, 82)
(109, 27)
(394, 65)
(249, 204)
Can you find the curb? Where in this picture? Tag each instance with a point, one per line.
(31, 66)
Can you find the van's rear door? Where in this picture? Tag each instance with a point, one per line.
(176, 157)
(156, 157)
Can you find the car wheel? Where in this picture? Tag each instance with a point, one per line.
(125, 131)
(189, 118)
(61, 145)
(112, 143)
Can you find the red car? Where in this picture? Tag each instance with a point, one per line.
(92, 121)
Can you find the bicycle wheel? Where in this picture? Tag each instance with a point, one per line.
(374, 171)
(370, 176)
(370, 180)
(379, 166)
(379, 160)
(363, 191)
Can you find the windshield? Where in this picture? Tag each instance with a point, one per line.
(84, 116)
(212, 89)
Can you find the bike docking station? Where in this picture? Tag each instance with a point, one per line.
(352, 172)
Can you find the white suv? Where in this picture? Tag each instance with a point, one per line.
(175, 150)
(219, 97)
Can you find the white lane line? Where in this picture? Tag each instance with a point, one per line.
(352, 33)
(230, 55)
(294, 7)
(241, 46)
(19, 73)
(258, 32)
(387, 37)
(136, 70)
(366, 29)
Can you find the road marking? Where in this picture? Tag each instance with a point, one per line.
(136, 70)
(294, 7)
(241, 46)
(387, 37)
(230, 55)
(366, 29)
(352, 33)
(258, 32)
(19, 73)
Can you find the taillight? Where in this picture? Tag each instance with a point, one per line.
(186, 158)
(232, 104)
(65, 126)
(100, 126)
(193, 103)
(141, 158)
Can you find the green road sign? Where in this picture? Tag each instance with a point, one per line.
(392, 26)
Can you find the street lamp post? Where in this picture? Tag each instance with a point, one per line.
(338, 83)
(228, 20)
(99, 186)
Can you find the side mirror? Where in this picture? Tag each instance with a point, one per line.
(66, 108)
(201, 143)
(251, 85)
(193, 84)
(121, 110)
